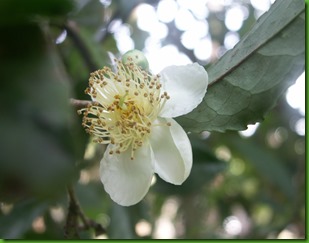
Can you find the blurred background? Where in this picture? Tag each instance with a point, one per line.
(243, 185)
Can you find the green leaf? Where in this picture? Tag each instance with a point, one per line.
(248, 80)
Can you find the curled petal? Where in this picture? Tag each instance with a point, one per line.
(127, 181)
(172, 151)
(186, 86)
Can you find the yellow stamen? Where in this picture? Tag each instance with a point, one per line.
(127, 104)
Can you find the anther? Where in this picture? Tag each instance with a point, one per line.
(122, 119)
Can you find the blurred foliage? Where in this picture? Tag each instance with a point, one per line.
(259, 180)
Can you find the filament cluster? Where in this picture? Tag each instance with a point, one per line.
(126, 104)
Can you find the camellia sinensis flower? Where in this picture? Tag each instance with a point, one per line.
(132, 113)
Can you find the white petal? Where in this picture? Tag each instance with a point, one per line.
(127, 181)
(172, 151)
(186, 86)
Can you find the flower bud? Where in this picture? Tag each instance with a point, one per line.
(137, 57)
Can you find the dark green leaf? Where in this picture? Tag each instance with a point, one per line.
(248, 80)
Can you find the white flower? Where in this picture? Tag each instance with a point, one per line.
(132, 113)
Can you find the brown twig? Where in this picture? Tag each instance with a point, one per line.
(72, 226)
(78, 104)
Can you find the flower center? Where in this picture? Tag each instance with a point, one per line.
(126, 105)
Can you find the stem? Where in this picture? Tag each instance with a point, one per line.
(72, 226)
(78, 104)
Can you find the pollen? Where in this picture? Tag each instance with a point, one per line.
(126, 105)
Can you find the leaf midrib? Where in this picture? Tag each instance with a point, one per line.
(256, 47)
